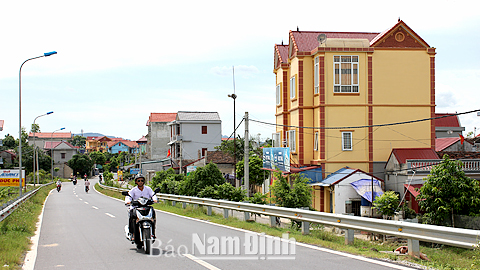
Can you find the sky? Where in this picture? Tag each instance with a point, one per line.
(118, 61)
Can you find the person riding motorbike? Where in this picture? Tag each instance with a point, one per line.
(87, 185)
(136, 192)
(59, 185)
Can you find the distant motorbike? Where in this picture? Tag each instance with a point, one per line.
(59, 187)
(87, 189)
(145, 221)
(74, 181)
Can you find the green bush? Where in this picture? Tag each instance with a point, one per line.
(258, 198)
(387, 203)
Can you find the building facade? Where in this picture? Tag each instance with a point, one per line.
(338, 94)
(158, 135)
(192, 134)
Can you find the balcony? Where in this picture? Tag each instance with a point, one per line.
(425, 165)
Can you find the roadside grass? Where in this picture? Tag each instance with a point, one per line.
(17, 229)
(441, 257)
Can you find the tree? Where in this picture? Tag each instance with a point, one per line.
(448, 192)
(9, 142)
(81, 163)
(255, 173)
(79, 141)
(35, 128)
(98, 158)
(195, 182)
(387, 203)
(228, 147)
(300, 195)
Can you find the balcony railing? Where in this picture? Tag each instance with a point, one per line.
(425, 165)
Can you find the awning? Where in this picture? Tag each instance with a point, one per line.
(364, 188)
(413, 189)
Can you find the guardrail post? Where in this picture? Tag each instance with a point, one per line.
(209, 210)
(225, 213)
(174, 203)
(246, 215)
(349, 236)
(273, 221)
(413, 247)
(184, 205)
(305, 227)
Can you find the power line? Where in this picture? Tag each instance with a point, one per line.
(367, 126)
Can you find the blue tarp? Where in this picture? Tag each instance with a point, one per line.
(364, 188)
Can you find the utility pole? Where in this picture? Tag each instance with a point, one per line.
(245, 159)
(181, 157)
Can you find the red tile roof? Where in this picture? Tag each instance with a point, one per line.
(142, 140)
(161, 117)
(442, 143)
(402, 154)
(54, 144)
(402, 24)
(307, 40)
(56, 135)
(449, 120)
(413, 189)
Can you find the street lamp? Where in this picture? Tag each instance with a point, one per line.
(35, 160)
(51, 148)
(20, 117)
(234, 133)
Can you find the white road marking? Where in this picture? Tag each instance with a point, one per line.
(81, 199)
(201, 262)
(94, 207)
(86, 202)
(110, 215)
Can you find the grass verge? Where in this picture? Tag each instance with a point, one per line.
(17, 229)
(441, 257)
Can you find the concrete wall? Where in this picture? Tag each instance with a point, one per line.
(158, 139)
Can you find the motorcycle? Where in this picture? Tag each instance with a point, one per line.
(59, 187)
(74, 181)
(144, 223)
(87, 189)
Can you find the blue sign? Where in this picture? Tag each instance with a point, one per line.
(134, 170)
(276, 158)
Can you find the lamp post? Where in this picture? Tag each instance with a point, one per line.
(35, 162)
(51, 148)
(234, 133)
(20, 118)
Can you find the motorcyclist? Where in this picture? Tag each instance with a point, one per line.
(59, 184)
(141, 190)
(87, 185)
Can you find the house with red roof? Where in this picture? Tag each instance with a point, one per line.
(97, 144)
(39, 138)
(336, 92)
(447, 125)
(158, 135)
(62, 152)
(119, 145)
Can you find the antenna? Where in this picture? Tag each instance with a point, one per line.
(233, 70)
(321, 38)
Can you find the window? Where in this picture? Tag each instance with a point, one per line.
(291, 140)
(315, 75)
(204, 129)
(276, 140)
(292, 87)
(347, 141)
(278, 94)
(346, 74)
(62, 155)
(204, 151)
(315, 143)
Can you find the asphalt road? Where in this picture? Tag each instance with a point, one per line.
(86, 231)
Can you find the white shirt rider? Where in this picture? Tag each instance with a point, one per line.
(140, 191)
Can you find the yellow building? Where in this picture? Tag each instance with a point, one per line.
(336, 93)
(97, 144)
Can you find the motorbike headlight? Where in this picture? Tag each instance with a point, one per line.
(143, 200)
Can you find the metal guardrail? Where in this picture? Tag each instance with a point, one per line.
(5, 212)
(458, 237)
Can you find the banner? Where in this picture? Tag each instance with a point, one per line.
(9, 178)
(277, 158)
